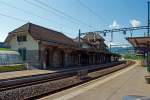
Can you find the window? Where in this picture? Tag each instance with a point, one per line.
(21, 38)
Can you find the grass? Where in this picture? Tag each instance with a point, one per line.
(4, 49)
(12, 68)
(131, 56)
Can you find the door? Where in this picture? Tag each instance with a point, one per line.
(62, 59)
(47, 58)
(22, 52)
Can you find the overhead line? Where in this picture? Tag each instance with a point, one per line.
(45, 9)
(22, 10)
(28, 12)
(92, 11)
(63, 13)
(12, 17)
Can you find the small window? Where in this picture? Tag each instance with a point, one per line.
(21, 38)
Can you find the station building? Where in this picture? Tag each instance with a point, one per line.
(44, 48)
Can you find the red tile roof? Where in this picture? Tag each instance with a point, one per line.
(44, 34)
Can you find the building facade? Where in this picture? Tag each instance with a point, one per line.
(45, 48)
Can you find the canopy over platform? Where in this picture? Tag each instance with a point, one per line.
(142, 47)
(140, 43)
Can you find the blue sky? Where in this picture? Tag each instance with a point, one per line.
(119, 12)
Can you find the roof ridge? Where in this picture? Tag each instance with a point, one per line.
(40, 32)
(50, 30)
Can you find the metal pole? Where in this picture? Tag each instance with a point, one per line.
(148, 19)
(111, 36)
(79, 37)
(110, 47)
(131, 32)
(148, 67)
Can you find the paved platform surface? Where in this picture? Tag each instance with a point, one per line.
(15, 74)
(129, 81)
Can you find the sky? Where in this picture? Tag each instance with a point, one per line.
(68, 16)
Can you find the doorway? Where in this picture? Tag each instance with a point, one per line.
(47, 58)
(22, 52)
(62, 60)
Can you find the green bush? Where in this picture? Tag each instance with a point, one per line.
(12, 68)
(4, 49)
(148, 68)
(131, 56)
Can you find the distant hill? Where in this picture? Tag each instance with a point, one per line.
(122, 50)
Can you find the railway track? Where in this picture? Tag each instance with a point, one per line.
(17, 84)
(6, 84)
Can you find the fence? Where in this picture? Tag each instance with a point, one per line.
(9, 57)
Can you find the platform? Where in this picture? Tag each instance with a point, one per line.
(16, 74)
(128, 81)
(24, 73)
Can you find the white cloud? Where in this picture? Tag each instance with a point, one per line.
(135, 23)
(114, 25)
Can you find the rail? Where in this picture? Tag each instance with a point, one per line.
(95, 72)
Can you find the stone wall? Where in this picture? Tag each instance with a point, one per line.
(30, 44)
(32, 57)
